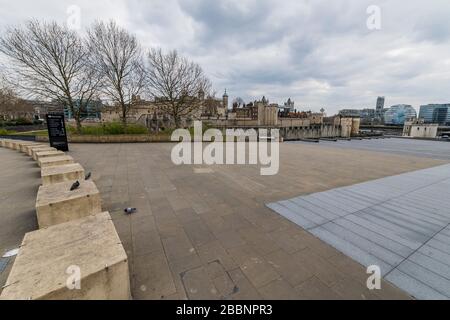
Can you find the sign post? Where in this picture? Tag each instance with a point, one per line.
(57, 133)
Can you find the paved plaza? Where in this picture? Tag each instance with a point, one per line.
(399, 223)
(401, 146)
(204, 232)
(19, 183)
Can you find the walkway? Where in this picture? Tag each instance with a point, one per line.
(19, 183)
(400, 223)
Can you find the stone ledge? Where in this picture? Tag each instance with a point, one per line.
(18, 144)
(40, 149)
(46, 154)
(57, 204)
(29, 149)
(57, 174)
(23, 147)
(42, 267)
(53, 161)
(3, 142)
(113, 138)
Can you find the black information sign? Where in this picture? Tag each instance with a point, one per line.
(57, 133)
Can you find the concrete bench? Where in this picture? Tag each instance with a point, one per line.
(54, 262)
(45, 154)
(54, 161)
(36, 151)
(13, 143)
(19, 144)
(23, 147)
(40, 149)
(57, 204)
(67, 172)
(9, 144)
(3, 142)
(29, 149)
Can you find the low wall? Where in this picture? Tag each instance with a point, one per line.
(119, 138)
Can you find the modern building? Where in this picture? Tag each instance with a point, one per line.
(379, 107)
(92, 111)
(350, 112)
(435, 113)
(417, 128)
(398, 114)
(367, 115)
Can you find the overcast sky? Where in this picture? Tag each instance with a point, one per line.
(318, 52)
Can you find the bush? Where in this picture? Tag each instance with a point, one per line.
(112, 128)
(3, 132)
(23, 122)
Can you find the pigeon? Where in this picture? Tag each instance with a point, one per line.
(74, 186)
(129, 210)
(88, 176)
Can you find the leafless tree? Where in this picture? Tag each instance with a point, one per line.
(117, 56)
(7, 94)
(50, 61)
(177, 84)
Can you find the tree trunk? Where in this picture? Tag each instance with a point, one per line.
(124, 115)
(176, 119)
(76, 115)
(78, 122)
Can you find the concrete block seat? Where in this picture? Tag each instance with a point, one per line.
(54, 161)
(45, 154)
(23, 147)
(67, 172)
(9, 144)
(57, 204)
(50, 259)
(18, 144)
(34, 152)
(13, 144)
(40, 149)
(3, 142)
(29, 149)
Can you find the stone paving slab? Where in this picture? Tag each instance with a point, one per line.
(400, 223)
(401, 146)
(212, 220)
(46, 257)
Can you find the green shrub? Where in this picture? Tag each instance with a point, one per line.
(4, 132)
(112, 128)
(23, 122)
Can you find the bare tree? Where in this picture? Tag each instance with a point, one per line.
(50, 61)
(177, 84)
(117, 56)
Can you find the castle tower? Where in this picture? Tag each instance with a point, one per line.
(225, 100)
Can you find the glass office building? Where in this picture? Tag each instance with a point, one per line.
(91, 111)
(398, 114)
(435, 113)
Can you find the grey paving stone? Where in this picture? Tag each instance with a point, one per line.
(431, 279)
(414, 287)
(400, 223)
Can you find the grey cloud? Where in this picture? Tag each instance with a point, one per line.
(318, 52)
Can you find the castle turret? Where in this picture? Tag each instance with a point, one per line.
(225, 100)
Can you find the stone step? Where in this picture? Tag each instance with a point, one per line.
(19, 144)
(54, 161)
(29, 149)
(46, 154)
(78, 260)
(23, 147)
(57, 204)
(40, 149)
(67, 172)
